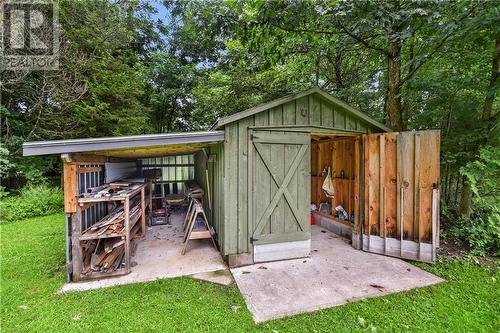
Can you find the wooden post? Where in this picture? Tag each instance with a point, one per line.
(143, 213)
(70, 186)
(381, 185)
(401, 220)
(127, 234)
(356, 186)
(434, 224)
(76, 250)
(70, 181)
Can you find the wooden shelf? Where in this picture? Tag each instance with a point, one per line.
(131, 218)
(336, 219)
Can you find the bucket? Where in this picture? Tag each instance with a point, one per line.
(313, 219)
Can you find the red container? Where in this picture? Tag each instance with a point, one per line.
(313, 219)
(159, 212)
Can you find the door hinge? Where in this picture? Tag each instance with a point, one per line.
(252, 137)
(253, 240)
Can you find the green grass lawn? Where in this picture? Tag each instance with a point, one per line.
(32, 270)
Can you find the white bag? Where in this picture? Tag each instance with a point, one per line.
(328, 185)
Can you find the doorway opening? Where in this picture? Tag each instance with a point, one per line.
(335, 165)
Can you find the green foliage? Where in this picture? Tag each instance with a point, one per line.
(483, 175)
(34, 200)
(482, 230)
(99, 90)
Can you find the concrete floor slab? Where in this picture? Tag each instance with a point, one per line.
(335, 274)
(159, 256)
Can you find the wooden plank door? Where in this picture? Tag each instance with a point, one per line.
(401, 194)
(279, 188)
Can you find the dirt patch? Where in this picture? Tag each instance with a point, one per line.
(451, 249)
(454, 250)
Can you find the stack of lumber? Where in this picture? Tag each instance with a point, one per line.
(112, 223)
(103, 255)
(111, 189)
(193, 189)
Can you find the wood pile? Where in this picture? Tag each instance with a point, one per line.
(103, 255)
(113, 223)
(111, 189)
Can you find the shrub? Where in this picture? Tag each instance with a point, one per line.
(34, 200)
(481, 232)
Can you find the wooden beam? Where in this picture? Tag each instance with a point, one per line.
(335, 139)
(357, 166)
(76, 251)
(82, 169)
(167, 165)
(90, 159)
(70, 181)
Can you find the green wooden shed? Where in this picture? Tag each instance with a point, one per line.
(263, 171)
(272, 164)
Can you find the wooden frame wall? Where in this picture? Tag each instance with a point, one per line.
(402, 194)
(340, 154)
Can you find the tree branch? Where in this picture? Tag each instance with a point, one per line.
(362, 40)
(439, 45)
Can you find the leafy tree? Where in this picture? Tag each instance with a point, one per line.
(99, 89)
(404, 35)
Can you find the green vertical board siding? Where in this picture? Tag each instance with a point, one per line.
(243, 226)
(268, 214)
(315, 110)
(326, 115)
(303, 175)
(339, 118)
(215, 186)
(231, 156)
(277, 222)
(259, 169)
(302, 111)
(233, 166)
(219, 196)
(289, 113)
(350, 123)
(290, 152)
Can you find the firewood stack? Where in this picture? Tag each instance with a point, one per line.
(103, 244)
(103, 255)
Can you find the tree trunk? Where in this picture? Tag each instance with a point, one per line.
(393, 105)
(495, 74)
(465, 209)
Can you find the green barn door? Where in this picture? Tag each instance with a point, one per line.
(279, 185)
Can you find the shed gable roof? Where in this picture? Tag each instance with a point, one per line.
(315, 90)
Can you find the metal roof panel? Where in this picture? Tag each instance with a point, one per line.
(120, 142)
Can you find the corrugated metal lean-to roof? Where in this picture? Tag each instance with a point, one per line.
(120, 142)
